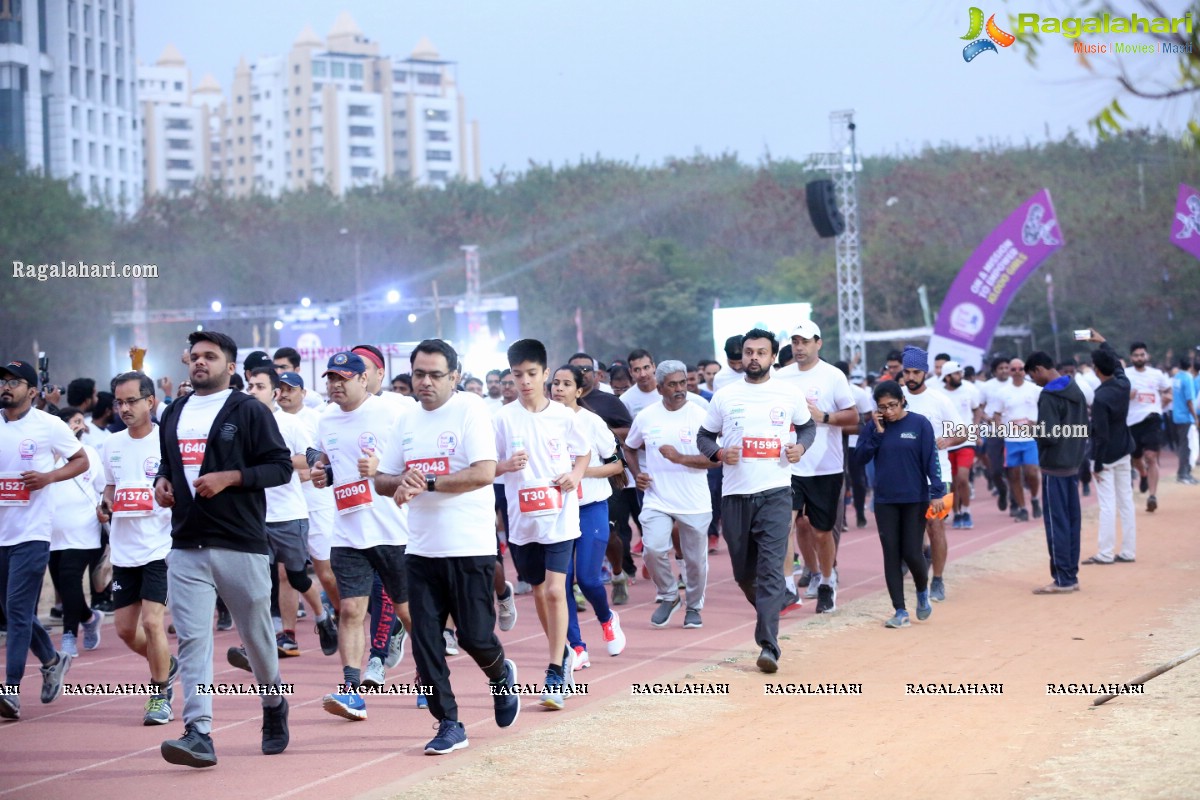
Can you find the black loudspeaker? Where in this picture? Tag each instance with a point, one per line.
(823, 210)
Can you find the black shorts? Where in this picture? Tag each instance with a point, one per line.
(1147, 435)
(534, 560)
(132, 585)
(816, 497)
(355, 570)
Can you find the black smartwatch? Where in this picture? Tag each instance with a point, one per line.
(826, 419)
(431, 483)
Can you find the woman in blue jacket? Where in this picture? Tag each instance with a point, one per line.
(907, 483)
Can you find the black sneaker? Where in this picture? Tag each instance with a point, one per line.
(285, 643)
(860, 521)
(506, 705)
(826, 599)
(1002, 498)
(1022, 515)
(236, 656)
(1151, 503)
(193, 749)
(767, 662)
(55, 612)
(327, 632)
(1144, 484)
(224, 620)
(1037, 508)
(275, 735)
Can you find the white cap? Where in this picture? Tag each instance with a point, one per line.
(950, 367)
(807, 330)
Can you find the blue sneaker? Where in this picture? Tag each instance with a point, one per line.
(923, 607)
(552, 697)
(901, 620)
(937, 590)
(91, 630)
(451, 736)
(348, 706)
(507, 706)
(422, 701)
(967, 522)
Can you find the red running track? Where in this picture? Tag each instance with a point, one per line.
(97, 748)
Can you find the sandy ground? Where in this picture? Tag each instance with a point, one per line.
(1022, 743)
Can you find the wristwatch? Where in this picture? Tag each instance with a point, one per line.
(431, 483)
(826, 418)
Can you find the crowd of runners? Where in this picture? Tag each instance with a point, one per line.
(407, 518)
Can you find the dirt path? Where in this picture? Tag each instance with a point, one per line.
(886, 742)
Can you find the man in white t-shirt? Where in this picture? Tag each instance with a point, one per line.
(287, 524)
(139, 538)
(746, 428)
(441, 465)
(817, 479)
(30, 442)
(734, 367)
(667, 465)
(938, 409)
(1149, 394)
(535, 441)
(293, 399)
(993, 445)
(287, 359)
(1016, 407)
(369, 531)
(968, 408)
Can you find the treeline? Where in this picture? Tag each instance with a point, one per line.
(644, 252)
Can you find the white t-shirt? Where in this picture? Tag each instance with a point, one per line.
(828, 389)
(726, 376)
(1147, 387)
(95, 435)
(864, 404)
(362, 519)
(550, 438)
(757, 419)
(398, 403)
(195, 421)
(286, 503)
(32, 443)
(494, 404)
(1085, 386)
(965, 399)
(937, 408)
(603, 445)
(635, 399)
(75, 526)
(316, 499)
(440, 442)
(1017, 404)
(674, 488)
(991, 389)
(140, 530)
(313, 400)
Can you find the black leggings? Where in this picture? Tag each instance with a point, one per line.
(901, 530)
(66, 572)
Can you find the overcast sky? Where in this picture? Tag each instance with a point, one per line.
(554, 80)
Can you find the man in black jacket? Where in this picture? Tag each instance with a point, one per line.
(1112, 445)
(220, 450)
(1062, 428)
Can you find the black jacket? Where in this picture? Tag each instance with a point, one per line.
(1111, 440)
(245, 437)
(1062, 404)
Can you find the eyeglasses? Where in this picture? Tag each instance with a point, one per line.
(419, 375)
(585, 369)
(889, 406)
(12, 383)
(119, 404)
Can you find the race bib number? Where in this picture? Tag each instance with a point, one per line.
(13, 491)
(1149, 398)
(351, 497)
(192, 451)
(540, 501)
(133, 501)
(437, 465)
(761, 447)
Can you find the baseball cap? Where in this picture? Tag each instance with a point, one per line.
(291, 379)
(807, 330)
(19, 369)
(346, 365)
(257, 359)
(951, 367)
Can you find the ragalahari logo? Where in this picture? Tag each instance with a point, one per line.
(995, 36)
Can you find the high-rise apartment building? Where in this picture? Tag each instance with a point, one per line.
(180, 125)
(68, 100)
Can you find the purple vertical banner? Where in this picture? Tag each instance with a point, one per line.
(1185, 228)
(990, 278)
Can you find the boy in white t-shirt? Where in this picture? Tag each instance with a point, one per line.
(535, 440)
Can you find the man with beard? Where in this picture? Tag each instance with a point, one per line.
(936, 408)
(220, 450)
(746, 429)
(968, 406)
(1149, 392)
(1016, 408)
(993, 445)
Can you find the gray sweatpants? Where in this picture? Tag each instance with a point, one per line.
(756, 528)
(194, 579)
(693, 541)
